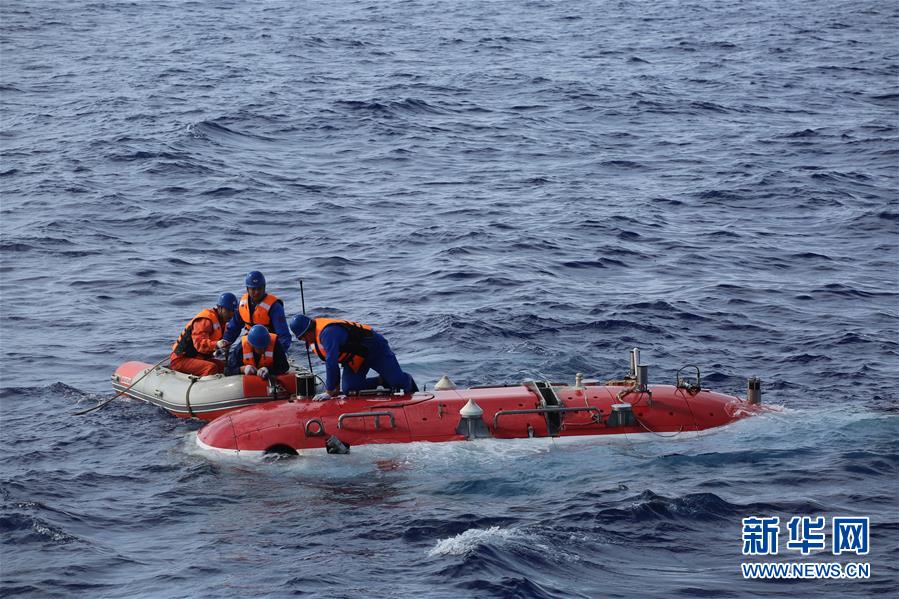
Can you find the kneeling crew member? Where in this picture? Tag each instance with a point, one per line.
(258, 353)
(355, 346)
(259, 307)
(192, 352)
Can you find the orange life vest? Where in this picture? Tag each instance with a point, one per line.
(184, 346)
(260, 312)
(266, 359)
(354, 352)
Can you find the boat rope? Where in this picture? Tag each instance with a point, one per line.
(417, 398)
(676, 433)
(190, 410)
(119, 394)
(692, 415)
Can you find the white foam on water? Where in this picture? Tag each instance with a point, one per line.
(503, 538)
(466, 542)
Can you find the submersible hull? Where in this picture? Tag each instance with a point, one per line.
(530, 410)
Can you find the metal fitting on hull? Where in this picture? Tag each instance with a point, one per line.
(754, 391)
(472, 422)
(444, 384)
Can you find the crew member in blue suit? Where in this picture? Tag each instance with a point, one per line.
(257, 353)
(258, 307)
(356, 347)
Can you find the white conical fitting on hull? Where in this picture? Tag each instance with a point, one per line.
(471, 423)
(444, 384)
(471, 410)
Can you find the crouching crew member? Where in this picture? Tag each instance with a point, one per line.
(259, 307)
(258, 353)
(358, 348)
(192, 352)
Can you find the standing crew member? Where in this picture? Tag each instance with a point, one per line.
(358, 348)
(259, 307)
(258, 353)
(192, 352)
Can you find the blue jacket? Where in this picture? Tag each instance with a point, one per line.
(279, 323)
(335, 337)
(235, 360)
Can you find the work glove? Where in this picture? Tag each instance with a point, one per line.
(222, 344)
(322, 397)
(263, 372)
(249, 369)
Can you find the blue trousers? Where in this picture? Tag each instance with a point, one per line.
(382, 360)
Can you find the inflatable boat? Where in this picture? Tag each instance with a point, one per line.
(189, 396)
(533, 409)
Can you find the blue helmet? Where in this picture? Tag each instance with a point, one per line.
(300, 324)
(255, 279)
(228, 301)
(259, 337)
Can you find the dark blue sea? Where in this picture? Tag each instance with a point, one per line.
(506, 190)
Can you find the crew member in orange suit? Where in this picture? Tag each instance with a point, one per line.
(257, 306)
(259, 353)
(193, 352)
(356, 347)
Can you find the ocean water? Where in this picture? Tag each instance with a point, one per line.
(505, 189)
